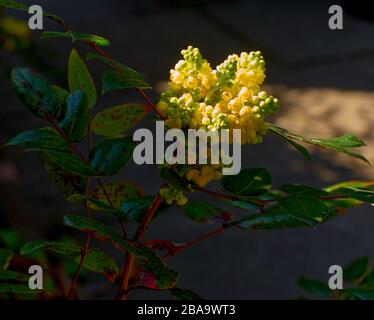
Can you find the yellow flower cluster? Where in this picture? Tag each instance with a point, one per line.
(171, 194)
(228, 97)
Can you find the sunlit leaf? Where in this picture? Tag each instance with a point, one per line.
(344, 143)
(80, 78)
(117, 120)
(75, 36)
(303, 191)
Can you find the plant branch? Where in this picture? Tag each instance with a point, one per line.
(130, 259)
(83, 256)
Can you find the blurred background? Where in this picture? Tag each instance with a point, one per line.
(323, 78)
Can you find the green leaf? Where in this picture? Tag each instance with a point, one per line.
(201, 211)
(300, 190)
(35, 92)
(275, 218)
(111, 155)
(80, 78)
(185, 294)
(95, 260)
(63, 248)
(71, 163)
(113, 80)
(17, 288)
(164, 278)
(342, 143)
(362, 292)
(135, 209)
(75, 36)
(67, 182)
(13, 276)
(40, 139)
(316, 287)
(75, 122)
(352, 184)
(357, 194)
(5, 257)
(173, 179)
(118, 192)
(268, 221)
(94, 203)
(248, 182)
(283, 133)
(117, 120)
(61, 96)
(310, 210)
(123, 68)
(99, 262)
(356, 269)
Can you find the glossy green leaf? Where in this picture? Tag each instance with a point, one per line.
(274, 218)
(75, 122)
(185, 294)
(118, 192)
(356, 193)
(17, 288)
(99, 262)
(344, 143)
(7, 275)
(356, 269)
(75, 36)
(94, 204)
(268, 221)
(71, 163)
(111, 155)
(173, 179)
(300, 190)
(80, 78)
(283, 133)
(201, 211)
(36, 93)
(123, 68)
(310, 210)
(5, 257)
(315, 287)
(67, 182)
(362, 292)
(117, 120)
(248, 182)
(135, 209)
(45, 139)
(113, 80)
(63, 248)
(150, 262)
(350, 184)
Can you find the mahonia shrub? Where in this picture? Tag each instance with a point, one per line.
(198, 97)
